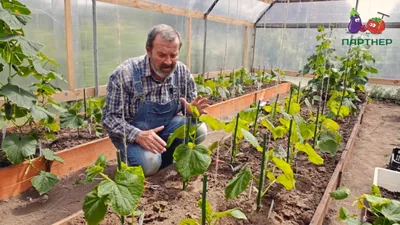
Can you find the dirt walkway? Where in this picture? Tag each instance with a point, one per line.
(379, 134)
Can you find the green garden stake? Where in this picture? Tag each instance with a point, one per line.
(119, 159)
(316, 128)
(261, 183)
(290, 134)
(298, 92)
(290, 100)
(203, 201)
(274, 109)
(255, 121)
(341, 99)
(234, 139)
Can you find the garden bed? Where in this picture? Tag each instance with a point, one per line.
(170, 204)
(78, 153)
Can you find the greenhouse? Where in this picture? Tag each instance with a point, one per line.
(195, 112)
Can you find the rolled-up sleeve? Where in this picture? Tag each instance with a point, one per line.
(112, 119)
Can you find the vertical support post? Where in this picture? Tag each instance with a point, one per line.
(96, 74)
(189, 42)
(69, 44)
(253, 46)
(246, 45)
(205, 45)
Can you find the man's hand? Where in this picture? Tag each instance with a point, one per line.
(150, 141)
(199, 102)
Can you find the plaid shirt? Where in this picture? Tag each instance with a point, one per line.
(154, 91)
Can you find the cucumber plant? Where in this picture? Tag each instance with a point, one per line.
(26, 106)
(384, 211)
(122, 194)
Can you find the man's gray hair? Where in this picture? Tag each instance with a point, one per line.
(166, 32)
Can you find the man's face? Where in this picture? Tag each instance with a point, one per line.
(163, 56)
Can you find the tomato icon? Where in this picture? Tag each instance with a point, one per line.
(375, 25)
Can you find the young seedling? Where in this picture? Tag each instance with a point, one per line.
(122, 194)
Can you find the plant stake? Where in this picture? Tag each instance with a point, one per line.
(261, 181)
(234, 139)
(203, 201)
(255, 120)
(316, 128)
(290, 134)
(184, 183)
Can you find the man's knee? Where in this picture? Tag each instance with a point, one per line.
(149, 161)
(201, 133)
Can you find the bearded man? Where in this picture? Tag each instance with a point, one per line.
(153, 94)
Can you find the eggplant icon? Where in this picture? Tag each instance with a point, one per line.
(355, 21)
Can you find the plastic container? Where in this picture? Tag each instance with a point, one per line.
(388, 179)
(394, 163)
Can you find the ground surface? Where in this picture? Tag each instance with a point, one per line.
(378, 135)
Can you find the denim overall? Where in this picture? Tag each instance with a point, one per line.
(149, 116)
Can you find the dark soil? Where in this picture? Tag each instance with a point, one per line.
(170, 204)
(389, 194)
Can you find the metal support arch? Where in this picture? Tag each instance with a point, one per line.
(205, 35)
(96, 74)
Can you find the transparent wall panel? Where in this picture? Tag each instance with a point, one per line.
(46, 26)
(197, 5)
(196, 51)
(250, 43)
(368, 9)
(121, 34)
(276, 47)
(239, 9)
(224, 46)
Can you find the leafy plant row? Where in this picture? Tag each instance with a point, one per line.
(30, 108)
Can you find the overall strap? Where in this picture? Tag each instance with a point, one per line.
(175, 83)
(137, 82)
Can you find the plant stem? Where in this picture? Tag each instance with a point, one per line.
(274, 109)
(234, 139)
(122, 220)
(84, 103)
(255, 120)
(316, 128)
(106, 177)
(341, 99)
(203, 201)
(290, 134)
(187, 133)
(261, 180)
(269, 186)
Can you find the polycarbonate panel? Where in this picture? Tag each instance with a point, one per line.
(113, 48)
(46, 26)
(250, 41)
(370, 8)
(196, 51)
(196, 5)
(248, 10)
(309, 12)
(224, 46)
(276, 47)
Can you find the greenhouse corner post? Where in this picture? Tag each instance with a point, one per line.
(205, 35)
(96, 74)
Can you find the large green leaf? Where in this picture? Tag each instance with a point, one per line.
(51, 156)
(287, 178)
(12, 20)
(44, 182)
(18, 148)
(17, 8)
(250, 138)
(344, 215)
(71, 119)
(124, 194)
(375, 201)
(392, 211)
(192, 161)
(307, 130)
(328, 142)
(312, 154)
(19, 96)
(340, 193)
(238, 184)
(30, 48)
(213, 123)
(94, 208)
(330, 124)
(180, 133)
(39, 113)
